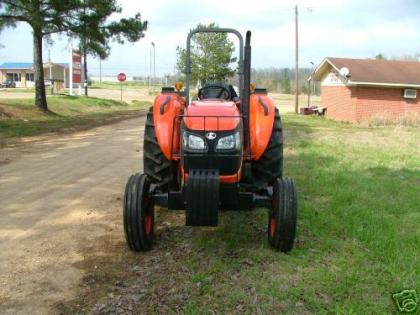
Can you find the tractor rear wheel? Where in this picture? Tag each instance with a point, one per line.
(138, 213)
(161, 171)
(270, 165)
(283, 215)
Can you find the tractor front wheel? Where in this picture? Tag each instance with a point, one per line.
(283, 215)
(139, 215)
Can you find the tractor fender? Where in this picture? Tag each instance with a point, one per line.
(261, 120)
(166, 109)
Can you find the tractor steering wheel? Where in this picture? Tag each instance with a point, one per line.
(223, 93)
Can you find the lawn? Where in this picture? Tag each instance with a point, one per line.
(126, 85)
(20, 117)
(359, 224)
(286, 102)
(357, 244)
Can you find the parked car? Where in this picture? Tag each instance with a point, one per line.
(8, 84)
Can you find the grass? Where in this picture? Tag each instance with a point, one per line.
(20, 117)
(20, 90)
(286, 102)
(359, 229)
(357, 244)
(126, 85)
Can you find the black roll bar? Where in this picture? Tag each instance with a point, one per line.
(188, 57)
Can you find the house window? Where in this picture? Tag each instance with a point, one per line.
(410, 93)
(30, 77)
(14, 77)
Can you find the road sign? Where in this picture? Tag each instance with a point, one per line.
(121, 77)
(76, 66)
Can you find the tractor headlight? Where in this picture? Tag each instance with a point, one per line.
(229, 142)
(193, 142)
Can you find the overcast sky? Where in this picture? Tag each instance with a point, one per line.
(337, 28)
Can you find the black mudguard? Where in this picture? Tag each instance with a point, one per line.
(202, 198)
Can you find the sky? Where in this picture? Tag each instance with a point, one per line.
(327, 28)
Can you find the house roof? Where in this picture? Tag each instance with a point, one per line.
(26, 65)
(373, 72)
(16, 65)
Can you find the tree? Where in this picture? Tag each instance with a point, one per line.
(380, 57)
(94, 32)
(47, 17)
(211, 56)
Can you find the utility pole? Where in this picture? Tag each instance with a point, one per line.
(154, 60)
(85, 52)
(150, 69)
(49, 62)
(312, 77)
(296, 61)
(309, 91)
(71, 71)
(50, 68)
(145, 69)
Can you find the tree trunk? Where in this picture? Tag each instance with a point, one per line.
(40, 96)
(85, 70)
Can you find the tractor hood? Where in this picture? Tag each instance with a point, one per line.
(212, 114)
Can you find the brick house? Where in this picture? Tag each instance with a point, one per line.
(357, 90)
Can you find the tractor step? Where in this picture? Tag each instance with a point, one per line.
(202, 198)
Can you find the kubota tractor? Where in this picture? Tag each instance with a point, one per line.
(221, 151)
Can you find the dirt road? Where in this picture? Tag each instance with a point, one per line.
(55, 195)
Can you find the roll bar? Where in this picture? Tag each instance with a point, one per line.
(188, 57)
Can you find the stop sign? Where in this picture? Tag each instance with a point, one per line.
(121, 77)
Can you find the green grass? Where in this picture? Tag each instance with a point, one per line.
(357, 241)
(20, 90)
(28, 90)
(358, 231)
(126, 85)
(20, 117)
(286, 102)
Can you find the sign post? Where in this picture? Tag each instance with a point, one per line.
(121, 77)
(75, 69)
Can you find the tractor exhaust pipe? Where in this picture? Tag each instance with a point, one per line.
(246, 90)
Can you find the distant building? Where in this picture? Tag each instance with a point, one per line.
(358, 90)
(22, 73)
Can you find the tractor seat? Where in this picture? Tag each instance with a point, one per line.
(217, 90)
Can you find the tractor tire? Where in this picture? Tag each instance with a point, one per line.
(270, 165)
(160, 170)
(138, 213)
(283, 215)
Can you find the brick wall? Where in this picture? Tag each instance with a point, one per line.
(359, 104)
(389, 102)
(340, 103)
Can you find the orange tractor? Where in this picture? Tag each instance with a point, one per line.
(221, 151)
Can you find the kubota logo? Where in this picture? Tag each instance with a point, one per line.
(211, 135)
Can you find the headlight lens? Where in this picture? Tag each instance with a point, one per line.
(193, 142)
(229, 142)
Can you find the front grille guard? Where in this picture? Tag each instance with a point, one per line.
(179, 154)
(176, 153)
